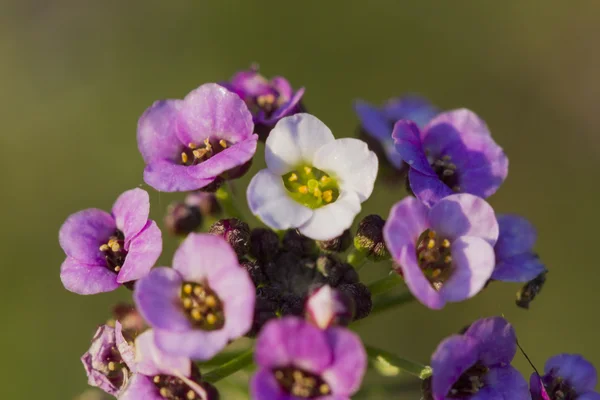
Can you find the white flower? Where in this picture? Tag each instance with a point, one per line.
(312, 182)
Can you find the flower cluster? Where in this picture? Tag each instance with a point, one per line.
(288, 281)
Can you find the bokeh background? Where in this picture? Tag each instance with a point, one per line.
(77, 74)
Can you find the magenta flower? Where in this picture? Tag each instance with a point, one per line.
(378, 122)
(453, 153)
(268, 101)
(444, 253)
(476, 365)
(297, 360)
(515, 259)
(106, 250)
(566, 377)
(201, 303)
(188, 144)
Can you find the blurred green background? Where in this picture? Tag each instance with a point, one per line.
(77, 74)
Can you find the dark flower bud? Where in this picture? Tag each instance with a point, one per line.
(336, 245)
(350, 274)
(297, 243)
(331, 268)
(235, 232)
(531, 289)
(264, 244)
(265, 309)
(207, 203)
(426, 389)
(369, 238)
(182, 219)
(210, 392)
(292, 305)
(361, 296)
(255, 271)
(131, 320)
(326, 307)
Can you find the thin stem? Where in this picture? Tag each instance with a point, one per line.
(225, 197)
(390, 364)
(356, 258)
(230, 367)
(385, 284)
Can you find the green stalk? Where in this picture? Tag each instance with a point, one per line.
(356, 258)
(384, 303)
(385, 284)
(225, 197)
(389, 364)
(230, 367)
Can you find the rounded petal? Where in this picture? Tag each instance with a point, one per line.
(408, 145)
(575, 369)
(473, 261)
(125, 349)
(464, 215)
(293, 141)
(412, 107)
(287, 108)
(293, 341)
(519, 268)
(461, 120)
(428, 189)
(213, 111)
(84, 232)
(143, 251)
(497, 339)
(373, 120)
(504, 383)
(588, 396)
(268, 199)
(156, 135)
(157, 297)
(203, 256)
(517, 236)
(196, 344)
(330, 221)
(453, 356)
(345, 374)
(536, 388)
(231, 157)
(140, 387)
(264, 386)
(351, 162)
(87, 279)
(152, 361)
(131, 212)
(167, 176)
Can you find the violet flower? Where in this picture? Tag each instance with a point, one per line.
(312, 182)
(515, 259)
(297, 360)
(476, 365)
(378, 122)
(106, 250)
(566, 377)
(268, 100)
(188, 144)
(444, 253)
(201, 303)
(453, 153)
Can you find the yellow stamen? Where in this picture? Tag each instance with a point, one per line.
(156, 379)
(115, 247)
(317, 192)
(112, 366)
(303, 189)
(211, 301)
(431, 234)
(104, 247)
(117, 268)
(431, 244)
(436, 273)
(187, 303)
(446, 243)
(278, 374)
(325, 180)
(196, 314)
(223, 143)
(297, 375)
(448, 172)
(200, 153)
(446, 158)
(191, 395)
(164, 392)
(293, 177)
(328, 196)
(207, 143)
(192, 146)
(324, 388)
(198, 291)
(187, 288)
(211, 319)
(448, 259)
(184, 158)
(307, 170)
(451, 166)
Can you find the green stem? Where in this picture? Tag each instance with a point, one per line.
(230, 367)
(356, 258)
(391, 364)
(384, 303)
(385, 284)
(225, 197)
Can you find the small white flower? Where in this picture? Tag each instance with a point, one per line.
(312, 182)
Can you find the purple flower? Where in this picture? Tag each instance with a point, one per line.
(268, 101)
(201, 303)
(110, 360)
(297, 360)
(566, 377)
(476, 365)
(445, 253)
(106, 250)
(162, 376)
(515, 259)
(378, 122)
(327, 307)
(454, 152)
(188, 144)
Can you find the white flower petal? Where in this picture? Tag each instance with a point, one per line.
(293, 141)
(351, 161)
(269, 200)
(332, 220)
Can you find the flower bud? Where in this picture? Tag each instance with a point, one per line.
(235, 232)
(264, 244)
(326, 307)
(207, 203)
(361, 296)
(131, 320)
(255, 271)
(531, 289)
(336, 245)
(182, 219)
(369, 238)
(297, 243)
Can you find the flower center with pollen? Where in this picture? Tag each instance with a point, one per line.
(172, 388)
(311, 187)
(558, 388)
(469, 382)
(114, 368)
(435, 258)
(300, 383)
(194, 154)
(202, 306)
(114, 251)
(445, 169)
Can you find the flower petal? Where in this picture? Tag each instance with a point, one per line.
(294, 141)
(125, 349)
(131, 211)
(345, 374)
(537, 389)
(269, 200)
(408, 145)
(330, 221)
(229, 158)
(287, 108)
(464, 215)
(589, 396)
(461, 120)
(84, 232)
(141, 387)
(517, 236)
(453, 356)
(157, 298)
(87, 279)
(203, 256)
(428, 189)
(152, 361)
(497, 339)
(196, 344)
(473, 260)
(412, 107)
(373, 120)
(264, 386)
(156, 136)
(519, 268)
(503, 383)
(166, 176)
(351, 161)
(143, 251)
(575, 369)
